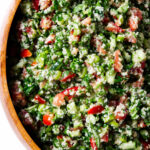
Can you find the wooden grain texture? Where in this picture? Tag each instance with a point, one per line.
(4, 93)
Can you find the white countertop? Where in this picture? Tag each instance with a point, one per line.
(8, 139)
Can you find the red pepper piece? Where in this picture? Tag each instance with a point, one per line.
(96, 109)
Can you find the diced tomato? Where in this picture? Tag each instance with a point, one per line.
(70, 76)
(40, 99)
(36, 4)
(47, 119)
(120, 112)
(105, 138)
(98, 44)
(59, 100)
(136, 17)
(26, 53)
(112, 27)
(133, 23)
(120, 116)
(101, 50)
(136, 12)
(67, 92)
(96, 109)
(141, 124)
(117, 64)
(73, 91)
(86, 21)
(44, 4)
(93, 144)
(46, 23)
(130, 38)
(33, 63)
(50, 39)
(146, 145)
(59, 137)
(73, 37)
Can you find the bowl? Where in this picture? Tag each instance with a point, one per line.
(5, 98)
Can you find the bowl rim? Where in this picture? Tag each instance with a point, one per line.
(5, 98)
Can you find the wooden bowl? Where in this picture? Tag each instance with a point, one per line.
(4, 92)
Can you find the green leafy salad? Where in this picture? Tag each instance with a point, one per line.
(81, 80)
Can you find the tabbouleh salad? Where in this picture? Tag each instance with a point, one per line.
(82, 78)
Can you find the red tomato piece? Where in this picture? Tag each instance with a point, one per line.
(117, 64)
(47, 119)
(137, 12)
(26, 53)
(59, 100)
(67, 91)
(70, 76)
(46, 23)
(136, 17)
(118, 116)
(36, 4)
(86, 21)
(73, 37)
(130, 38)
(105, 138)
(50, 39)
(120, 112)
(112, 27)
(96, 109)
(40, 99)
(93, 144)
(44, 4)
(141, 124)
(133, 23)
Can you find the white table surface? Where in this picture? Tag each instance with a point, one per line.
(8, 139)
